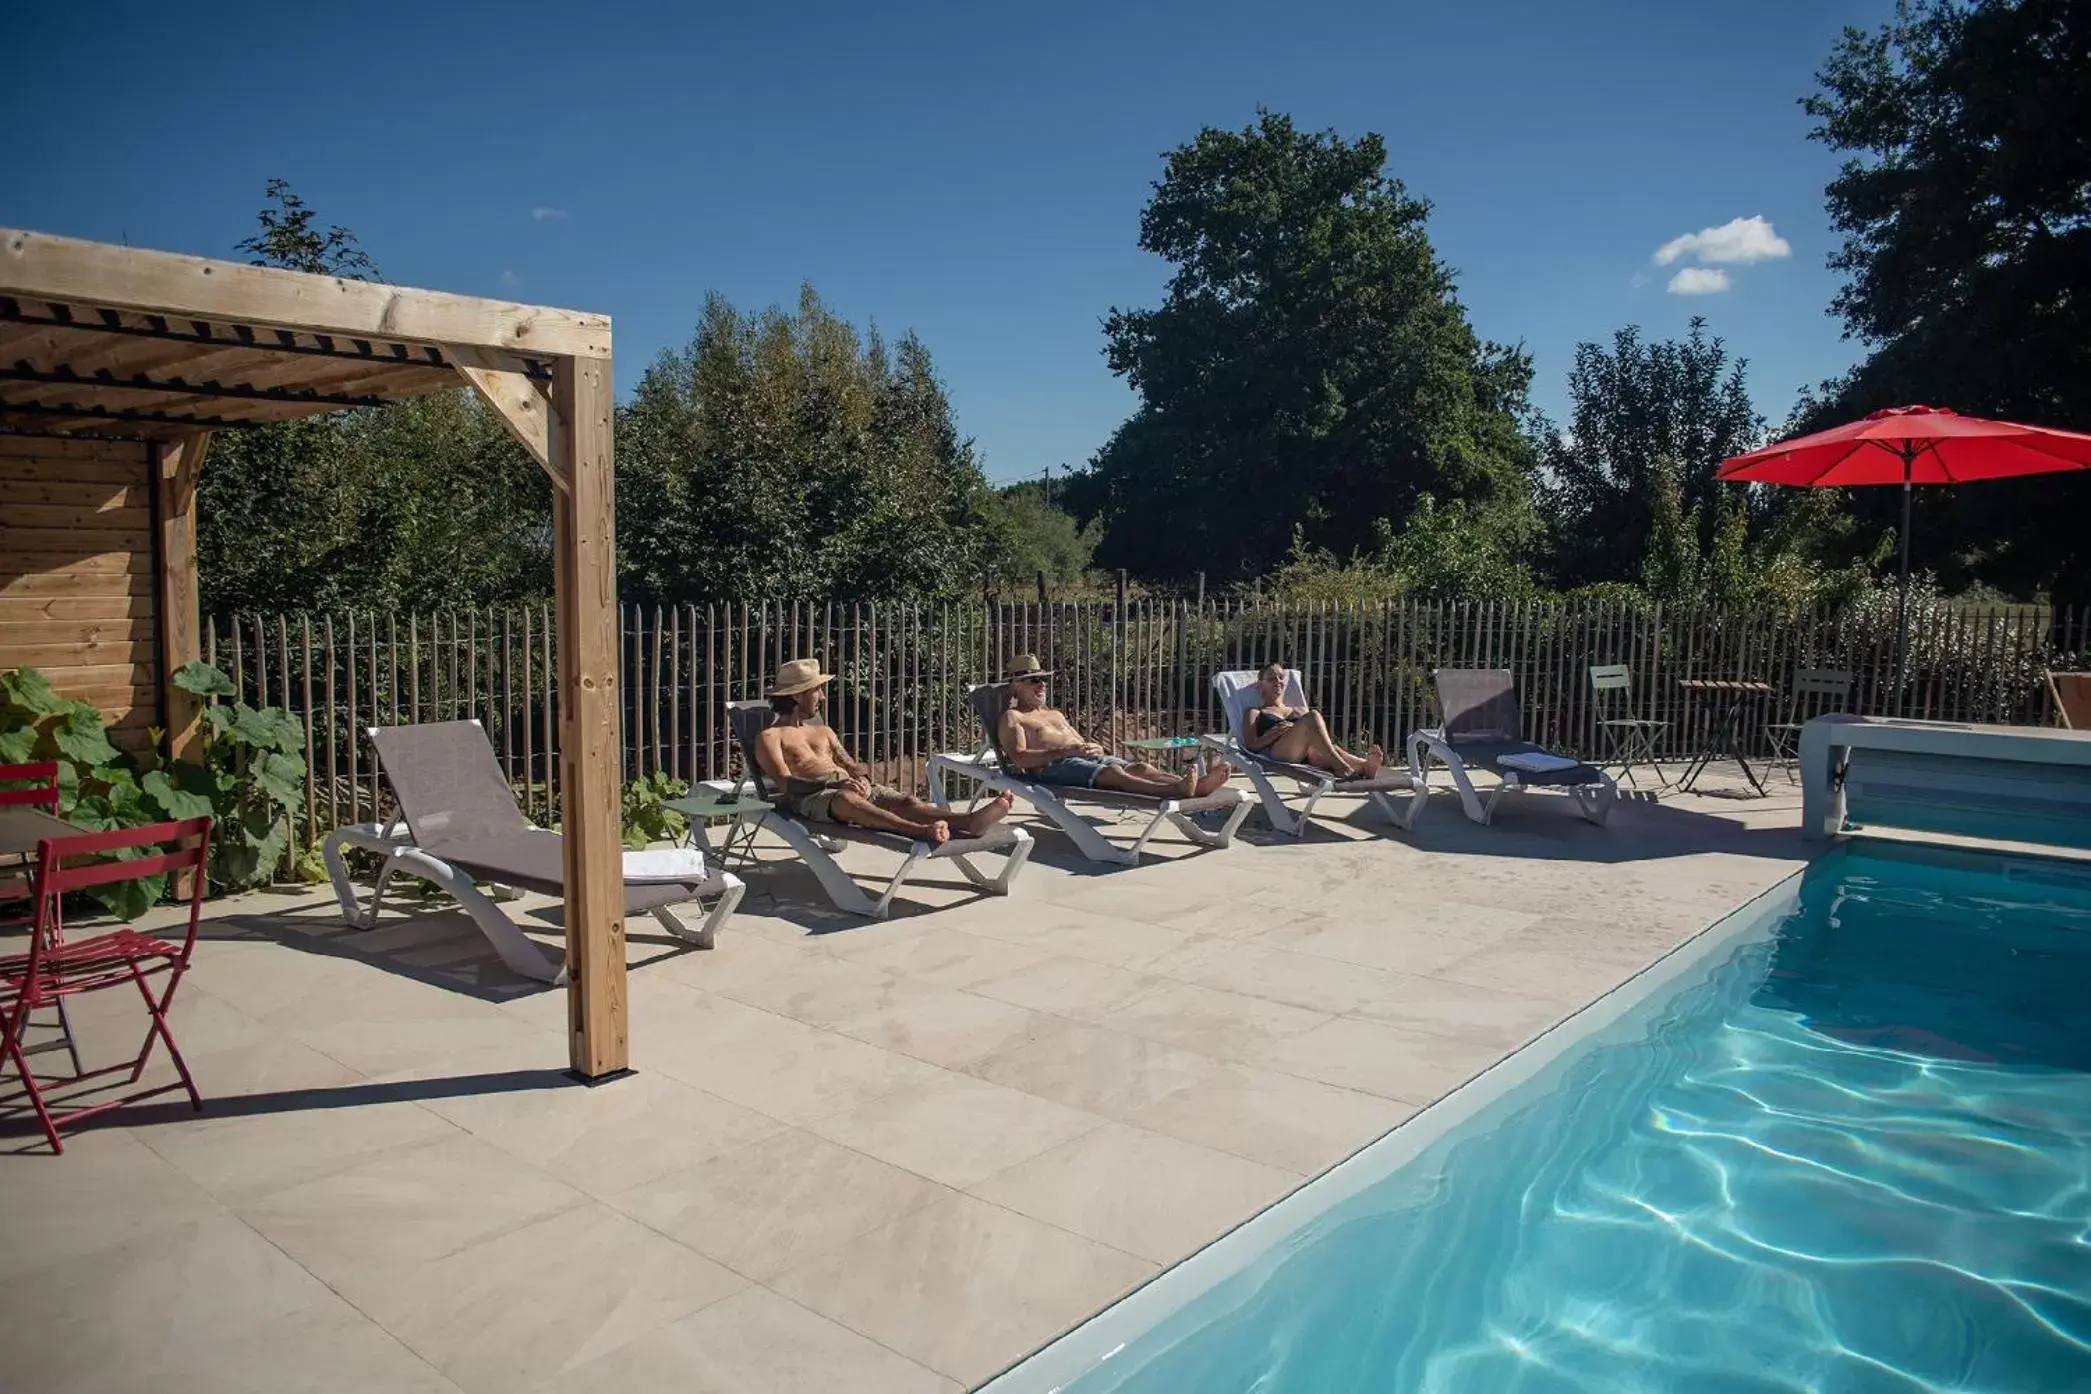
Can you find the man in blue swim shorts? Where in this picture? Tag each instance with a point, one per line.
(1041, 744)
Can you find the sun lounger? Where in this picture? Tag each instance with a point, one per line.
(750, 719)
(1482, 729)
(462, 829)
(992, 769)
(1238, 694)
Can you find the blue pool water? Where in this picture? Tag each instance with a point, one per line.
(1852, 1155)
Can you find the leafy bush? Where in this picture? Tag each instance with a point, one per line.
(251, 778)
(646, 819)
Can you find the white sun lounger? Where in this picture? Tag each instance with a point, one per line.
(462, 829)
(1482, 729)
(1238, 693)
(749, 720)
(991, 769)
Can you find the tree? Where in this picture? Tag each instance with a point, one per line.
(289, 240)
(781, 456)
(1310, 368)
(1965, 209)
(419, 504)
(1030, 537)
(1635, 407)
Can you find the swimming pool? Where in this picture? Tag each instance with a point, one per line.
(1841, 1142)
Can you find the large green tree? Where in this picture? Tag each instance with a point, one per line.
(1648, 418)
(420, 504)
(1310, 371)
(1965, 209)
(782, 455)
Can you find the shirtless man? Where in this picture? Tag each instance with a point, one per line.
(1042, 745)
(818, 782)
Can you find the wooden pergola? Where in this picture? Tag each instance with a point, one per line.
(116, 365)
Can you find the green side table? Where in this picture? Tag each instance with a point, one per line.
(740, 836)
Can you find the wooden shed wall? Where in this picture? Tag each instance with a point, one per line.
(76, 573)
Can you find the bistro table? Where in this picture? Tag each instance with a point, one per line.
(1726, 737)
(703, 805)
(22, 827)
(1163, 744)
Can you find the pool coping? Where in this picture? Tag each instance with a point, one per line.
(1087, 1345)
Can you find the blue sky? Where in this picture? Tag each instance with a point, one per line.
(974, 173)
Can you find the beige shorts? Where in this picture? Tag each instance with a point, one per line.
(814, 799)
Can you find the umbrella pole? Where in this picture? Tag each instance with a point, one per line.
(1902, 596)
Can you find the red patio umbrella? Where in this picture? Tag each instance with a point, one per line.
(1907, 446)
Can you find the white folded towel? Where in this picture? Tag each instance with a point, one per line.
(665, 864)
(1537, 762)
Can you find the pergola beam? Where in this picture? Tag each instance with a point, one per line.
(38, 266)
(522, 405)
(64, 377)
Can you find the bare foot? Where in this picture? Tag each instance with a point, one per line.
(939, 833)
(1214, 778)
(1374, 759)
(984, 817)
(1187, 787)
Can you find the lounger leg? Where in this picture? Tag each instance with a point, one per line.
(706, 935)
(1188, 826)
(1012, 862)
(1281, 818)
(1422, 749)
(515, 948)
(370, 837)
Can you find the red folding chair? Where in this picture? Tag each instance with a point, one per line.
(43, 793)
(53, 970)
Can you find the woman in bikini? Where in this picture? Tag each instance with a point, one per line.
(1298, 735)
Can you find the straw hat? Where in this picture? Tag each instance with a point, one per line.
(799, 675)
(1025, 665)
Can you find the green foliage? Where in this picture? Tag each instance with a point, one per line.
(784, 456)
(289, 240)
(1311, 368)
(1965, 208)
(1648, 419)
(1028, 535)
(646, 821)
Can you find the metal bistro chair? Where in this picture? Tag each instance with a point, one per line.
(17, 875)
(1815, 691)
(53, 970)
(1630, 738)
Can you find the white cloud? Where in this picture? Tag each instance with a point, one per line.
(510, 279)
(1699, 280)
(1639, 279)
(1738, 239)
(541, 212)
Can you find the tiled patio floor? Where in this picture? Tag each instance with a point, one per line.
(885, 1157)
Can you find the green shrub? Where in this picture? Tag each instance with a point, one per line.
(646, 819)
(250, 780)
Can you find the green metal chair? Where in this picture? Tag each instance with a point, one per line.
(1815, 691)
(1631, 738)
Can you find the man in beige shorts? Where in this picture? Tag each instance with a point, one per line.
(816, 780)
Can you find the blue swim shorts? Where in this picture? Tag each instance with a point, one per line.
(1075, 771)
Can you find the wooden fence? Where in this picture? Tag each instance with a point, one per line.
(1140, 669)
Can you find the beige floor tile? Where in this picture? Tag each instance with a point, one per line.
(763, 1208)
(106, 1189)
(327, 1348)
(1569, 979)
(382, 1046)
(737, 959)
(822, 990)
(1402, 938)
(948, 957)
(611, 1137)
(1097, 1071)
(1228, 1025)
(755, 1342)
(246, 1156)
(146, 1304)
(782, 1068)
(1300, 1125)
(1155, 1196)
(530, 1302)
(963, 1286)
(1280, 975)
(1482, 1015)
(1412, 1066)
(415, 1205)
(949, 1028)
(1079, 988)
(1081, 933)
(955, 1129)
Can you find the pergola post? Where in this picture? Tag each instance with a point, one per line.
(177, 463)
(591, 742)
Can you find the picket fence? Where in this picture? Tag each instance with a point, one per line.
(1121, 671)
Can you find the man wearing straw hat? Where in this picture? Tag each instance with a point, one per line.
(820, 783)
(1043, 745)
